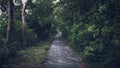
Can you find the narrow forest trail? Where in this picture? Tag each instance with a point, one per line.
(61, 56)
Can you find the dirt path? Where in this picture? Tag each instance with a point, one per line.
(61, 56)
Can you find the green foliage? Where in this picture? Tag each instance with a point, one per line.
(39, 26)
(41, 18)
(3, 51)
(30, 35)
(26, 56)
(91, 27)
(2, 31)
(93, 30)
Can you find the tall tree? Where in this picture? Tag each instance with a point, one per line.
(24, 5)
(9, 36)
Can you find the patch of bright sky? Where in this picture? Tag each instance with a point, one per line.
(56, 1)
(24, 2)
(33, 1)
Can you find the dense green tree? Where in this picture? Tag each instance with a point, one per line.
(92, 28)
(41, 18)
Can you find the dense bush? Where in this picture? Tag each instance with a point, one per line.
(93, 31)
(17, 44)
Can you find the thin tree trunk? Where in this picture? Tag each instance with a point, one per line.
(24, 24)
(9, 36)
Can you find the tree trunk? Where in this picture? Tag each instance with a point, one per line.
(9, 36)
(24, 25)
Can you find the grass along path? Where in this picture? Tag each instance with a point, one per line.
(32, 57)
